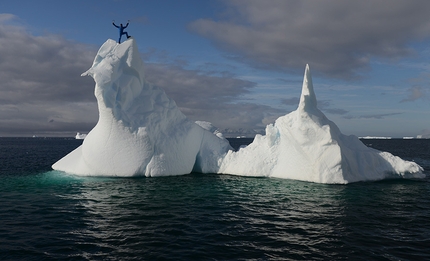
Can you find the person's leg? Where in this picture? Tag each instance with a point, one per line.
(126, 34)
(119, 39)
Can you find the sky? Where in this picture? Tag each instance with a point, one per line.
(238, 64)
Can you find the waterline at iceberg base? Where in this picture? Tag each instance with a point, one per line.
(141, 131)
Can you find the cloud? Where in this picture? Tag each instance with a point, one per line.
(42, 92)
(7, 17)
(201, 96)
(373, 116)
(323, 105)
(191, 86)
(415, 93)
(40, 77)
(291, 101)
(42, 68)
(47, 118)
(337, 38)
(336, 111)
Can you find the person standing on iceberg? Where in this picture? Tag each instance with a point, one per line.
(121, 30)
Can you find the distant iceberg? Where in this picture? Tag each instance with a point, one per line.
(375, 138)
(80, 136)
(141, 131)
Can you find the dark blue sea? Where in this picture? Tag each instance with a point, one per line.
(49, 215)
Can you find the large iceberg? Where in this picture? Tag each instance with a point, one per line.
(140, 130)
(305, 145)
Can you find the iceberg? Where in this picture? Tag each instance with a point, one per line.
(140, 130)
(305, 145)
(80, 136)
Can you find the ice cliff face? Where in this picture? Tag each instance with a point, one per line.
(140, 130)
(305, 145)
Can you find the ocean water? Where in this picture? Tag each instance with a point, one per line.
(49, 215)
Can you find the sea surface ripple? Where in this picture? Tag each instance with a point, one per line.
(49, 215)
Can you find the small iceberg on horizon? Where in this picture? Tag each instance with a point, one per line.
(141, 131)
(80, 136)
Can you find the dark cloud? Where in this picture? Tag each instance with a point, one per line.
(190, 86)
(291, 101)
(211, 98)
(42, 68)
(325, 106)
(41, 89)
(45, 117)
(373, 116)
(42, 92)
(336, 111)
(337, 38)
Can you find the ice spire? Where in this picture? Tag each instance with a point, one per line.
(308, 100)
(306, 145)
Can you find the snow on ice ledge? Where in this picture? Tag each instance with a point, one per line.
(142, 132)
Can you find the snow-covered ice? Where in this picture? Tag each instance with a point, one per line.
(141, 131)
(305, 145)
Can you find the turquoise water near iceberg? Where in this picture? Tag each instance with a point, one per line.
(49, 215)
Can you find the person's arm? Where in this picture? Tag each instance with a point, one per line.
(127, 24)
(113, 22)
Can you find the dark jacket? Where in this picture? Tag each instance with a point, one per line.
(120, 28)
